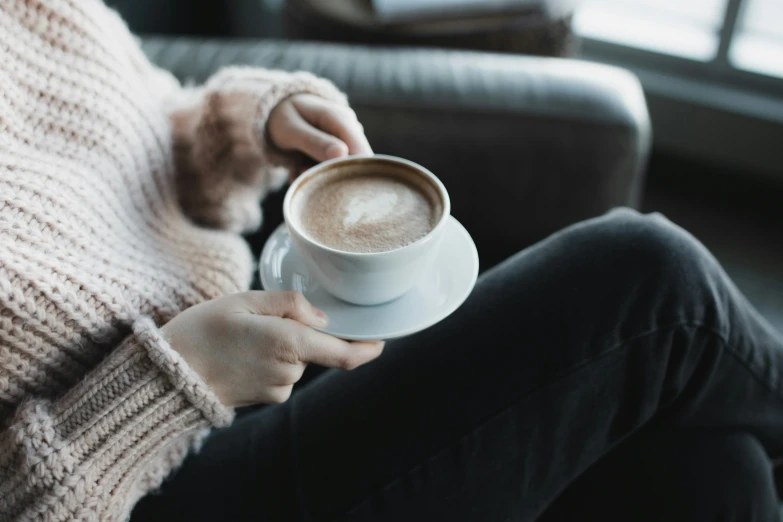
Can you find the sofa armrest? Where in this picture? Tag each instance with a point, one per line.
(525, 145)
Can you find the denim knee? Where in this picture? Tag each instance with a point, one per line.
(650, 251)
(652, 240)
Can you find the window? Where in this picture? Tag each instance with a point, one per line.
(746, 35)
(687, 28)
(758, 44)
(712, 71)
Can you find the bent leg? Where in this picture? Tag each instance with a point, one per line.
(560, 354)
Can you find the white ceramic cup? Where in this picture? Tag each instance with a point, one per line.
(367, 278)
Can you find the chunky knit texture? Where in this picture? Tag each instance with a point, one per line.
(121, 196)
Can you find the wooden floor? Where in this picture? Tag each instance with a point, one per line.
(739, 220)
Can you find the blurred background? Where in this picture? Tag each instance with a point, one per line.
(711, 73)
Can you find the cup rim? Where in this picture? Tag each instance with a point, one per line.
(316, 169)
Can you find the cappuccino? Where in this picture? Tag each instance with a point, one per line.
(365, 211)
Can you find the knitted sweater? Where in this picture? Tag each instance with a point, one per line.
(121, 197)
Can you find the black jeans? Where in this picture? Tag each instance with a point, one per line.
(610, 369)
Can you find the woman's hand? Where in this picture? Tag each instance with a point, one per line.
(321, 129)
(252, 347)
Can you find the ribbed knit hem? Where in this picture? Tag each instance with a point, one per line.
(142, 399)
(184, 379)
(142, 371)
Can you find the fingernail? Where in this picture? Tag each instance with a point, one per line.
(321, 315)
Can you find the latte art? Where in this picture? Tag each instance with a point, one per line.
(364, 208)
(366, 212)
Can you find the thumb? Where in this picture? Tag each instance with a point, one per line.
(288, 305)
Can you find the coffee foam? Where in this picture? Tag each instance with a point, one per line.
(367, 207)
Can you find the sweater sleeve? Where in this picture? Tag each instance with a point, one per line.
(106, 437)
(225, 163)
(225, 160)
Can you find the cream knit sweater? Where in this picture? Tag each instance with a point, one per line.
(121, 194)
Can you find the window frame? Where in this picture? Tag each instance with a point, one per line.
(710, 111)
(719, 70)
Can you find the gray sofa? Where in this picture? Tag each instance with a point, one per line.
(525, 145)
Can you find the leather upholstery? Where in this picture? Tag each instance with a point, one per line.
(525, 145)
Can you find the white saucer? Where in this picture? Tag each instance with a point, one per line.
(440, 292)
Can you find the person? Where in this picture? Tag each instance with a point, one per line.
(612, 368)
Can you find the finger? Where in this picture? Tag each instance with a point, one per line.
(325, 350)
(337, 120)
(314, 142)
(288, 305)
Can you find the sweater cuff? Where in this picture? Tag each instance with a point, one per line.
(140, 405)
(270, 88)
(143, 386)
(181, 376)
